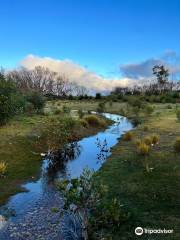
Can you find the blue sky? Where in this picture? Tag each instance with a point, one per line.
(98, 34)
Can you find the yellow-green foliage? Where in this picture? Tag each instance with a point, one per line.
(84, 123)
(94, 121)
(137, 142)
(3, 168)
(177, 145)
(148, 140)
(128, 136)
(155, 138)
(143, 149)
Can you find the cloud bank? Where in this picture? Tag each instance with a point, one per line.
(76, 73)
(133, 73)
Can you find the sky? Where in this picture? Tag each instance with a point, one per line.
(105, 40)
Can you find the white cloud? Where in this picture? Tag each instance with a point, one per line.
(75, 73)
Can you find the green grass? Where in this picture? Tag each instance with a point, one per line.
(152, 199)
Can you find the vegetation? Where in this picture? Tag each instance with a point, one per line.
(137, 187)
(25, 137)
(3, 169)
(177, 145)
(150, 194)
(95, 121)
(88, 199)
(128, 136)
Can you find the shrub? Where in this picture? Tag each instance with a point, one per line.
(137, 142)
(128, 136)
(66, 109)
(3, 169)
(36, 99)
(143, 149)
(178, 114)
(155, 139)
(148, 140)
(29, 108)
(57, 111)
(87, 197)
(84, 123)
(110, 103)
(136, 120)
(177, 145)
(94, 121)
(169, 106)
(11, 101)
(149, 109)
(101, 107)
(56, 132)
(146, 128)
(80, 113)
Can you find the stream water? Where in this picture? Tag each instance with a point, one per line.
(89, 152)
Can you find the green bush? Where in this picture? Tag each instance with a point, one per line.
(36, 99)
(11, 101)
(66, 109)
(90, 198)
(148, 109)
(56, 132)
(101, 107)
(80, 113)
(178, 114)
(29, 108)
(177, 145)
(94, 121)
(57, 112)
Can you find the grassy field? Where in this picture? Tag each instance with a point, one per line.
(152, 199)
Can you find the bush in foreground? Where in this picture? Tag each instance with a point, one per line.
(86, 200)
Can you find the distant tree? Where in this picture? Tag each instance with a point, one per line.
(98, 96)
(162, 75)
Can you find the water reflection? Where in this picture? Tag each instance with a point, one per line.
(103, 150)
(54, 166)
